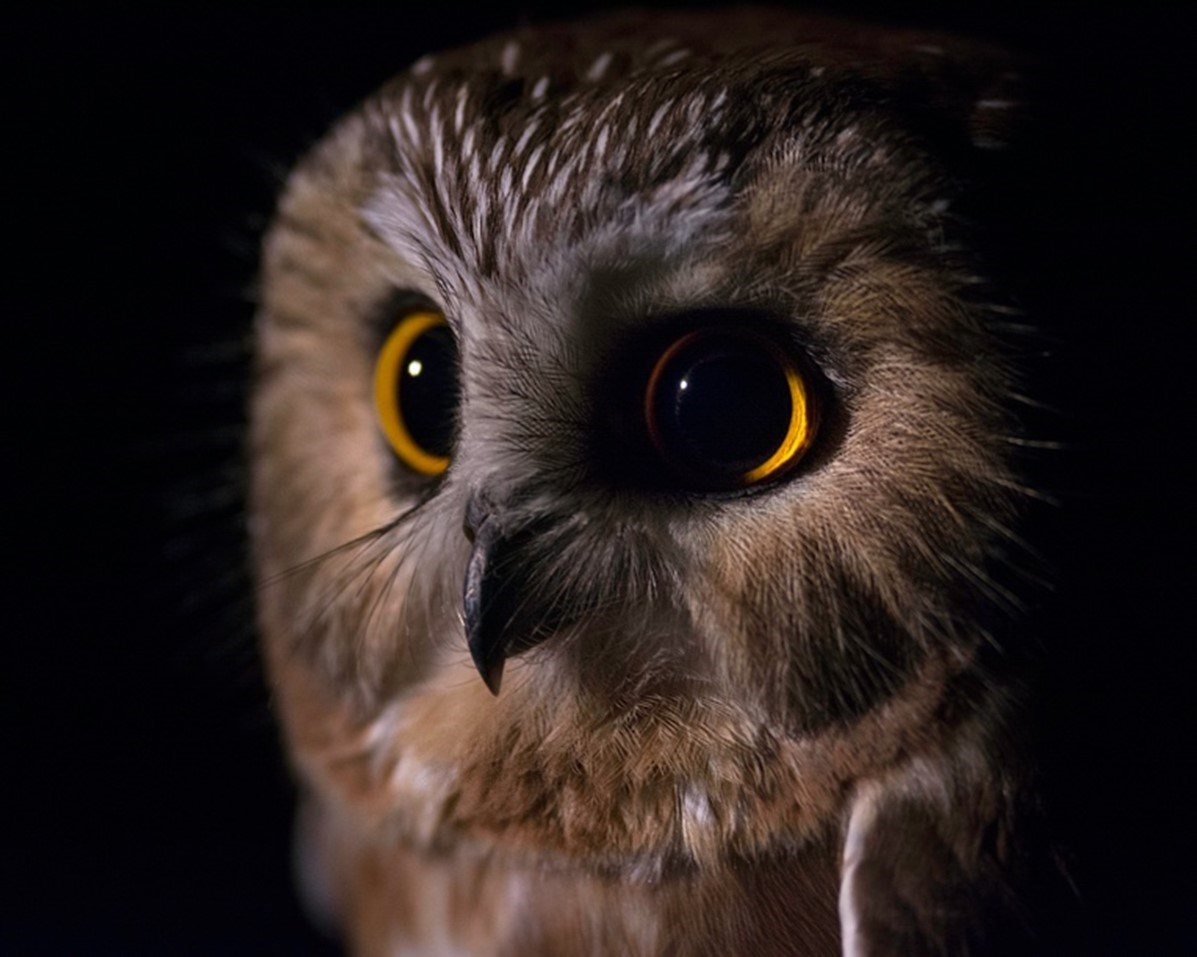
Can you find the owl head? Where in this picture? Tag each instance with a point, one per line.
(632, 445)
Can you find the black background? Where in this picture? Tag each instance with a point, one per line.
(148, 805)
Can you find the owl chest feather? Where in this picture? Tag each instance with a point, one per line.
(476, 901)
(416, 855)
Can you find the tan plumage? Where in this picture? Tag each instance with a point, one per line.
(759, 721)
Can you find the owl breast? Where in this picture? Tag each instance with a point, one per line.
(633, 491)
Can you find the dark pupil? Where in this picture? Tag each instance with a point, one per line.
(428, 390)
(724, 406)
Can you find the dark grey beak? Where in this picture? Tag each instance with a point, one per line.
(485, 621)
(504, 602)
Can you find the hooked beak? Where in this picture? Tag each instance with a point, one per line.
(483, 623)
(505, 612)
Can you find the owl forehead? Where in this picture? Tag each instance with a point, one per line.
(476, 194)
(488, 181)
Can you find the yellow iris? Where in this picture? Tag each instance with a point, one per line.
(729, 408)
(394, 364)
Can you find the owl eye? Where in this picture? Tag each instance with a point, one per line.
(416, 391)
(728, 409)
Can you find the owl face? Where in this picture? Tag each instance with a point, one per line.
(630, 442)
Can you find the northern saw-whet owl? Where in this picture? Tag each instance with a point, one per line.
(634, 490)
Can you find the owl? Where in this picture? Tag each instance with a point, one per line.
(636, 506)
